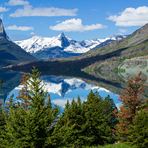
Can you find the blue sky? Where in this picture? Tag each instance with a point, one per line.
(79, 19)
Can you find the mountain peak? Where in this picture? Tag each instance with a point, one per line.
(64, 40)
(62, 35)
(2, 30)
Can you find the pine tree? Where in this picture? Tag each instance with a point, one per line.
(98, 115)
(24, 92)
(111, 112)
(138, 132)
(132, 100)
(30, 125)
(89, 123)
(68, 128)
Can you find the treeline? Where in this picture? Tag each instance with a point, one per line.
(33, 122)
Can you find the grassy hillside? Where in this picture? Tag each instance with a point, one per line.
(134, 46)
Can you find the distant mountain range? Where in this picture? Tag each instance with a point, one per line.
(45, 47)
(61, 46)
(10, 53)
(101, 64)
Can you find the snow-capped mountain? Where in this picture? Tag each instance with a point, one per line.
(61, 46)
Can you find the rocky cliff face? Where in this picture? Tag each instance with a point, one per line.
(2, 31)
(10, 53)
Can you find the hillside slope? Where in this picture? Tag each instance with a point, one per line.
(133, 46)
(10, 53)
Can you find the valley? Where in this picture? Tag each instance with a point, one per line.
(99, 65)
(73, 74)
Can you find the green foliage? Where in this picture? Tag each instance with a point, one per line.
(30, 126)
(2, 123)
(119, 145)
(139, 130)
(99, 123)
(131, 103)
(88, 123)
(34, 123)
(68, 128)
(119, 70)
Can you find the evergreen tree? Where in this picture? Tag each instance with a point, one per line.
(131, 98)
(97, 128)
(68, 128)
(24, 92)
(89, 123)
(30, 125)
(111, 112)
(138, 133)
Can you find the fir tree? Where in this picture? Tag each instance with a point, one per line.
(30, 125)
(68, 128)
(131, 98)
(89, 123)
(97, 127)
(138, 132)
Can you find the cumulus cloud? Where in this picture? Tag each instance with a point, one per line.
(3, 9)
(18, 2)
(20, 28)
(75, 25)
(43, 11)
(131, 17)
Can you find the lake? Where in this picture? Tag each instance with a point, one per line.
(60, 88)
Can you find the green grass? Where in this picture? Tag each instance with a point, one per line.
(120, 145)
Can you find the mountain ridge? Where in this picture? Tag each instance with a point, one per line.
(99, 65)
(61, 46)
(111, 56)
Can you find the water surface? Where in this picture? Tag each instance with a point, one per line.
(60, 88)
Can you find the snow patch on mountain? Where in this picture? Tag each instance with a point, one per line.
(61, 45)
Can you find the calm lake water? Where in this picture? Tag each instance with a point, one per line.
(60, 88)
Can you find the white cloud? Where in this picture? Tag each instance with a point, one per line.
(20, 28)
(3, 9)
(75, 25)
(18, 2)
(131, 17)
(43, 11)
